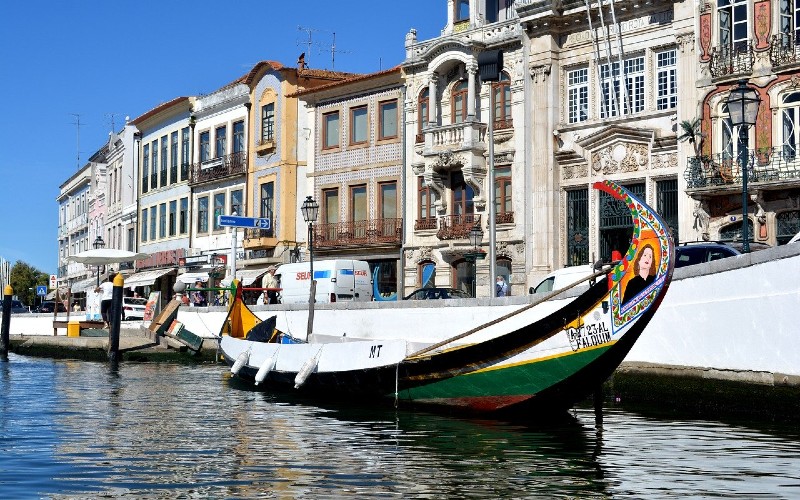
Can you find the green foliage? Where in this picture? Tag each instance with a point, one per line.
(691, 131)
(24, 279)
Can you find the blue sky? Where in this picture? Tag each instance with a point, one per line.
(105, 60)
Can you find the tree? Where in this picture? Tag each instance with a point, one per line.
(691, 132)
(24, 279)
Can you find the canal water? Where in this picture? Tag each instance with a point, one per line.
(71, 429)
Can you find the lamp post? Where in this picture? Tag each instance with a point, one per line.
(743, 103)
(475, 238)
(310, 211)
(98, 244)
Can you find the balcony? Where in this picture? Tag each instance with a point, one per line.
(359, 233)
(253, 233)
(219, 168)
(774, 167)
(421, 224)
(784, 50)
(732, 61)
(504, 218)
(457, 227)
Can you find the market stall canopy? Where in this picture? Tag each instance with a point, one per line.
(246, 276)
(145, 278)
(105, 256)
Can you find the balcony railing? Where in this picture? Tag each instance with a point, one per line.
(358, 233)
(456, 227)
(504, 218)
(764, 165)
(732, 60)
(219, 168)
(254, 233)
(420, 224)
(784, 50)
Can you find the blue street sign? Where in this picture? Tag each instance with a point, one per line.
(237, 221)
(41, 290)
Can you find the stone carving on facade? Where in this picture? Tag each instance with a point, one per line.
(509, 250)
(416, 256)
(575, 171)
(446, 161)
(620, 158)
(685, 42)
(668, 160)
(539, 73)
(701, 219)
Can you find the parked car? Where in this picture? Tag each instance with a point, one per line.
(48, 307)
(689, 254)
(133, 307)
(18, 307)
(437, 293)
(560, 278)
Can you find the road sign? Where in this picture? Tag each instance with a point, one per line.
(237, 221)
(53, 281)
(41, 290)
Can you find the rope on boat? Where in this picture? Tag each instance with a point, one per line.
(601, 272)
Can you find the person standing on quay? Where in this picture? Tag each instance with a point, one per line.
(106, 291)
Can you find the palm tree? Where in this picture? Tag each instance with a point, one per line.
(691, 131)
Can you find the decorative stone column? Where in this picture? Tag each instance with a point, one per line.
(472, 70)
(433, 109)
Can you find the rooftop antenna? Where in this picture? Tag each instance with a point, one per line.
(77, 124)
(111, 116)
(333, 51)
(308, 43)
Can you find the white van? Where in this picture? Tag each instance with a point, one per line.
(337, 280)
(563, 277)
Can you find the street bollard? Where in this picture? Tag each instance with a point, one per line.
(115, 319)
(8, 292)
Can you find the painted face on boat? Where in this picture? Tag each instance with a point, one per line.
(646, 262)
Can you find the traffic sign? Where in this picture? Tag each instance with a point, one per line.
(41, 290)
(237, 221)
(53, 281)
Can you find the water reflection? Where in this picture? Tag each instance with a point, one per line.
(166, 431)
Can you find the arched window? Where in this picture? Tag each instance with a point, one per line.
(464, 276)
(423, 112)
(733, 232)
(503, 268)
(502, 102)
(458, 102)
(426, 274)
(790, 125)
(734, 142)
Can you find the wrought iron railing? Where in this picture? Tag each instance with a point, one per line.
(764, 165)
(358, 233)
(732, 60)
(784, 50)
(456, 227)
(219, 168)
(504, 218)
(254, 233)
(429, 223)
(503, 124)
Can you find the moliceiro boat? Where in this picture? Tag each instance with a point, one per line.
(543, 355)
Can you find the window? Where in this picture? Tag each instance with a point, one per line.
(424, 206)
(173, 167)
(268, 204)
(426, 275)
(667, 204)
(502, 193)
(666, 77)
(388, 201)
(577, 227)
(144, 224)
(153, 223)
(388, 116)
(202, 214)
(463, 276)
(492, 10)
(164, 159)
(205, 138)
(462, 195)
(462, 10)
(162, 220)
(423, 114)
(219, 209)
(330, 212)
(131, 239)
(358, 125)
(503, 267)
(185, 153)
(221, 141)
(173, 209)
(183, 226)
(634, 84)
(790, 125)
(458, 102)
(788, 225)
(502, 99)
(145, 168)
(734, 142)
(154, 161)
(330, 131)
(578, 95)
(733, 28)
(268, 122)
(789, 15)
(358, 202)
(238, 137)
(236, 202)
(634, 87)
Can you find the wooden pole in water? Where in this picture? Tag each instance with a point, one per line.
(115, 319)
(8, 292)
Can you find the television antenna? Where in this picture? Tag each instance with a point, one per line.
(77, 124)
(309, 43)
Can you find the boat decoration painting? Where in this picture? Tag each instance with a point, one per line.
(546, 354)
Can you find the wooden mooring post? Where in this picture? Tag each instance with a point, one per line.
(115, 320)
(8, 292)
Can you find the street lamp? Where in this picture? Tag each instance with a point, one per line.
(98, 244)
(475, 238)
(743, 103)
(310, 211)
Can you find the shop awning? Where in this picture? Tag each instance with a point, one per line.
(192, 278)
(145, 278)
(247, 276)
(83, 285)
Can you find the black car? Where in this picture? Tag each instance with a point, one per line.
(437, 293)
(47, 307)
(697, 253)
(18, 307)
